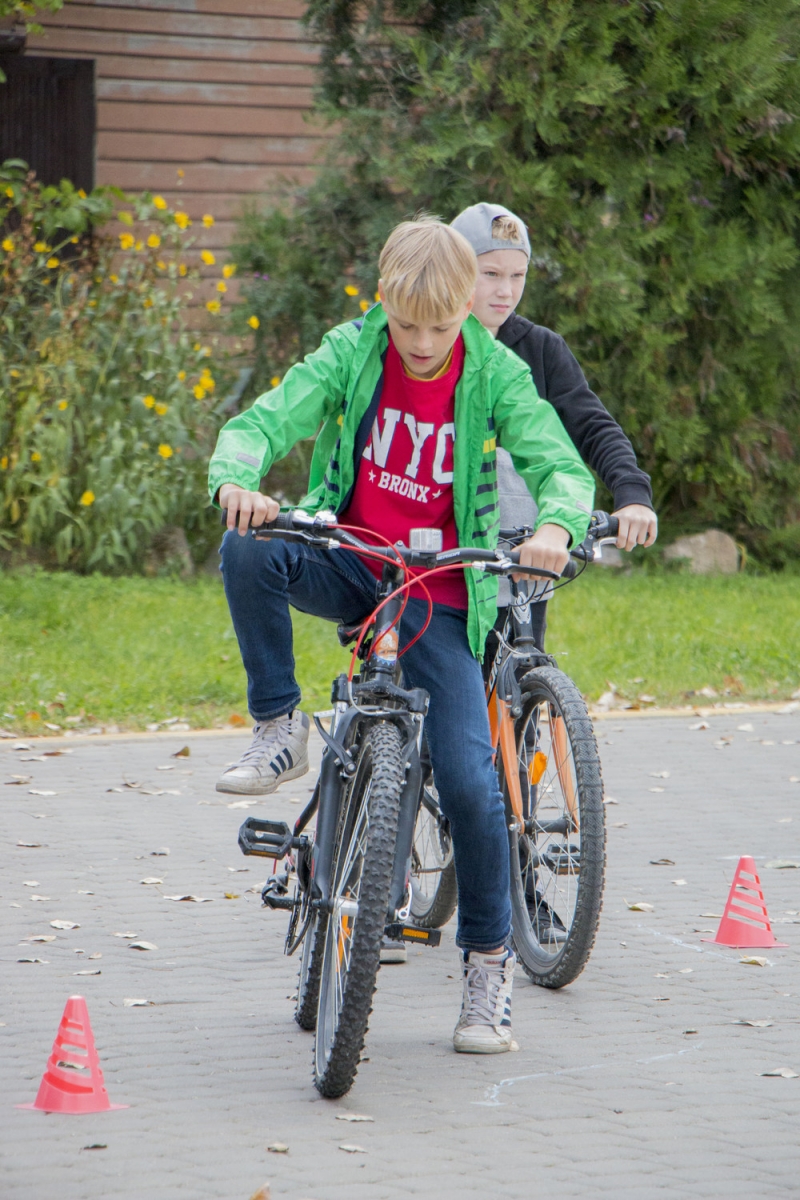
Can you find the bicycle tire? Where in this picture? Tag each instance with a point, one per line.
(434, 898)
(362, 873)
(305, 1012)
(538, 862)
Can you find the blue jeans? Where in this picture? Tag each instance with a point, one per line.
(262, 578)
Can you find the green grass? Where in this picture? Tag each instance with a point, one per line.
(134, 651)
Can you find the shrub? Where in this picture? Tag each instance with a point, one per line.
(653, 150)
(108, 406)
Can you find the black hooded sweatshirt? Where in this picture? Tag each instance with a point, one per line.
(598, 438)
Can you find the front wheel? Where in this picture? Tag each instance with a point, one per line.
(361, 878)
(557, 853)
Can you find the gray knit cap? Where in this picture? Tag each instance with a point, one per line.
(475, 224)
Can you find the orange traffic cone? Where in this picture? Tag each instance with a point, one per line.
(745, 921)
(72, 1081)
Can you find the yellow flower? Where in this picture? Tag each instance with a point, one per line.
(41, 247)
(207, 382)
(182, 220)
(162, 266)
(114, 278)
(8, 245)
(154, 241)
(229, 269)
(4, 462)
(181, 375)
(87, 499)
(199, 392)
(207, 257)
(82, 193)
(159, 202)
(62, 404)
(138, 245)
(350, 290)
(74, 240)
(164, 450)
(222, 287)
(125, 241)
(253, 322)
(206, 353)
(161, 409)
(14, 373)
(36, 456)
(10, 194)
(213, 306)
(92, 303)
(377, 297)
(196, 346)
(125, 217)
(274, 381)
(148, 401)
(147, 302)
(363, 305)
(181, 269)
(208, 220)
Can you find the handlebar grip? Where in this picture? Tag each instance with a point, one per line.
(603, 525)
(569, 572)
(283, 521)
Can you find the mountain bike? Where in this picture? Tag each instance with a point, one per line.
(352, 881)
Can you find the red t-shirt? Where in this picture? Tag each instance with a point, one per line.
(405, 478)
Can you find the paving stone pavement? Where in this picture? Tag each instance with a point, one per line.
(636, 1081)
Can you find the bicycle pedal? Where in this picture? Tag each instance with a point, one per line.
(267, 839)
(397, 932)
(275, 893)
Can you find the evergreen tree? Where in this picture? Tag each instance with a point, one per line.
(652, 147)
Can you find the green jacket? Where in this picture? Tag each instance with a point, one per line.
(495, 400)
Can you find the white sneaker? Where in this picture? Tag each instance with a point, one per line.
(392, 951)
(484, 1026)
(277, 753)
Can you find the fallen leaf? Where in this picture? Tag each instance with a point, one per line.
(678, 882)
(351, 1148)
(746, 728)
(162, 853)
(22, 746)
(184, 752)
(620, 824)
(235, 719)
(712, 916)
(243, 803)
(34, 960)
(262, 1193)
(645, 699)
(753, 960)
(193, 899)
(781, 864)
(754, 1024)
(31, 845)
(655, 789)
(142, 946)
(662, 862)
(661, 975)
(232, 896)
(690, 1031)
(40, 937)
(151, 879)
(96, 1146)
(639, 906)
(34, 897)
(659, 774)
(18, 780)
(699, 725)
(30, 883)
(64, 925)
(87, 972)
(666, 998)
(781, 1073)
(168, 767)
(353, 1117)
(84, 892)
(794, 779)
(130, 1002)
(278, 1148)
(96, 954)
(697, 929)
(610, 800)
(708, 692)
(686, 970)
(41, 792)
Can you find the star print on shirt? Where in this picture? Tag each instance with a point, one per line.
(372, 476)
(436, 495)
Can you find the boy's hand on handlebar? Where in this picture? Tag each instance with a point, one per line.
(246, 508)
(547, 550)
(638, 526)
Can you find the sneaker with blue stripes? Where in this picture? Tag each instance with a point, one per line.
(277, 753)
(484, 1026)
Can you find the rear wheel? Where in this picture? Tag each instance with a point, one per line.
(361, 875)
(558, 857)
(434, 893)
(305, 1012)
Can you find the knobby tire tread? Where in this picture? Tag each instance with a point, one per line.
(443, 904)
(538, 685)
(388, 777)
(305, 1013)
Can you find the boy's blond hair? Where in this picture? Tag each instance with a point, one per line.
(506, 229)
(428, 270)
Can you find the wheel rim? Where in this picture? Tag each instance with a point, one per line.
(340, 933)
(549, 848)
(432, 852)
